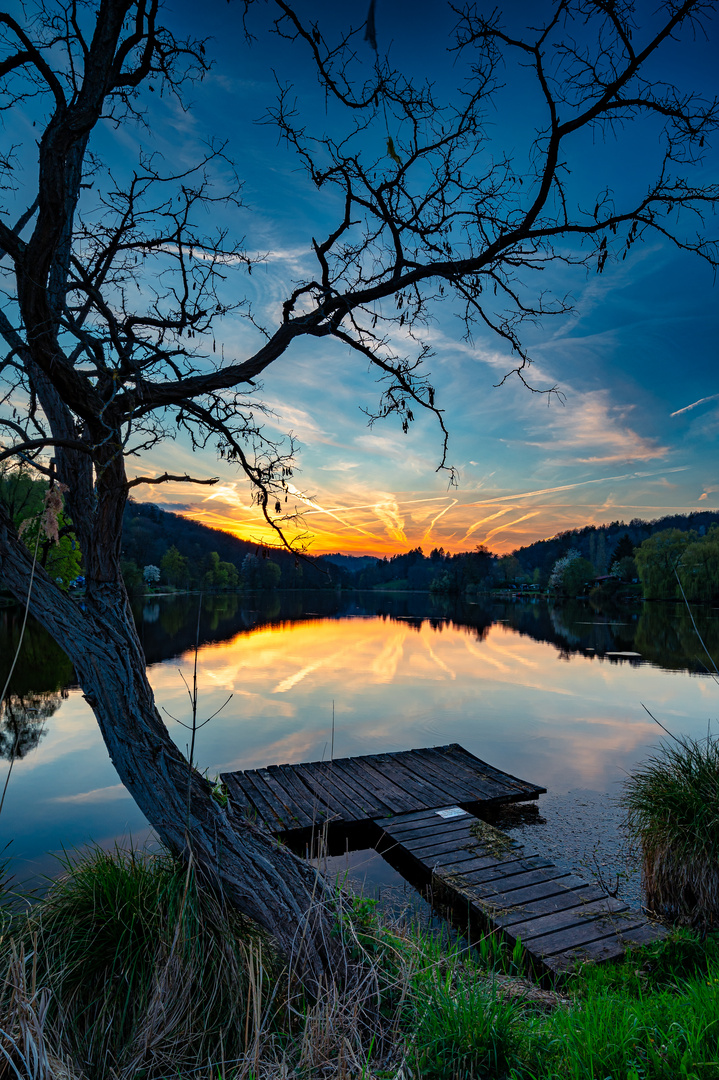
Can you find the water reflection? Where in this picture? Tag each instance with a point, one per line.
(552, 694)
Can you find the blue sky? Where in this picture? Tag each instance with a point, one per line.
(636, 363)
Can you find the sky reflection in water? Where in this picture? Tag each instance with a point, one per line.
(563, 720)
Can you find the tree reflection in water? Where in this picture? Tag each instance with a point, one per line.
(37, 688)
(23, 721)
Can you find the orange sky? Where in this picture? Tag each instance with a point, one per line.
(383, 523)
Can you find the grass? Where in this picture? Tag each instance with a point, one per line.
(129, 969)
(148, 972)
(672, 805)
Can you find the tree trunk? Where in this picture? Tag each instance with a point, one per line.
(257, 874)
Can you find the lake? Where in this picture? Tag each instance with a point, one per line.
(553, 694)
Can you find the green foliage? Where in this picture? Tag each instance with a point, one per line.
(672, 806)
(463, 1030)
(175, 568)
(578, 574)
(259, 573)
(24, 498)
(148, 972)
(150, 976)
(699, 567)
(131, 575)
(656, 560)
(659, 1035)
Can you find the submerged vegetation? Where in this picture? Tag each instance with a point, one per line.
(129, 968)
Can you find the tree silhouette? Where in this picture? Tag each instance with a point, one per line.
(96, 369)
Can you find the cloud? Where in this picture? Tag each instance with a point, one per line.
(97, 795)
(388, 512)
(591, 421)
(695, 404)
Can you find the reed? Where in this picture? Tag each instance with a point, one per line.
(147, 971)
(672, 809)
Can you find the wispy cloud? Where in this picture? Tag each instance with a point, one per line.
(695, 404)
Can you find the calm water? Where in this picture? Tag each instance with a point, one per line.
(553, 695)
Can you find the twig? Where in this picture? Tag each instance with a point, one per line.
(696, 629)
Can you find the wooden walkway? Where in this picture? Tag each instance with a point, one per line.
(285, 798)
(492, 883)
(415, 807)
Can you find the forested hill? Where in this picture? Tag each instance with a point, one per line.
(149, 533)
(192, 555)
(599, 543)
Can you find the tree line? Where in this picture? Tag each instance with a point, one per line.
(166, 550)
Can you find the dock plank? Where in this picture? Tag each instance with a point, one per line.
(559, 918)
(315, 812)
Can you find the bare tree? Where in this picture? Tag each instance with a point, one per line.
(96, 369)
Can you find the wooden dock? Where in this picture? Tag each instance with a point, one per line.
(491, 883)
(285, 798)
(418, 807)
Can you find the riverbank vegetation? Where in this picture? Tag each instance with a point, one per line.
(164, 551)
(672, 804)
(129, 968)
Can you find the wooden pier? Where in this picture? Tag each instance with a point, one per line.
(421, 810)
(353, 790)
(491, 882)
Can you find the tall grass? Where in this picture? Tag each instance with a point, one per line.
(672, 806)
(130, 969)
(148, 972)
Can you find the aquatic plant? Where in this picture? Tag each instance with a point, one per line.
(672, 808)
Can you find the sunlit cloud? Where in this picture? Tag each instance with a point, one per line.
(508, 524)
(389, 514)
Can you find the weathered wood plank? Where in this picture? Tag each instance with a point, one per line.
(393, 794)
(464, 769)
(370, 801)
(324, 796)
(397, 768)
(561, 901)
(325, 780)
(559, 920)
(454, 752)
(273, 798)
(286, 791)
(315, 811)
(263, 810)
(463, 787)
(586, 932)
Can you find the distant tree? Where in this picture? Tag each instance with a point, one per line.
(175, 568)
(151, 574)
(624, 549)
(578, 575)
(625, 568)
(698, 567)
(131, 575)
(259, 573)
(657, 559)
(556, 578)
